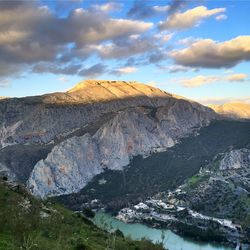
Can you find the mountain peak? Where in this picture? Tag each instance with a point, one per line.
(100, 83)
(105, 90)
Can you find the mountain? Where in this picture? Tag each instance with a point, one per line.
(97, 125)
(113, 144)
(48, 118)
(233, 110)
(28, 223)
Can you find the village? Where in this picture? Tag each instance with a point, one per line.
(182, 220)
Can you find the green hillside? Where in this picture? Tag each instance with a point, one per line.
(27, 223)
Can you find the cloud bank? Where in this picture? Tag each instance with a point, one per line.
(33, 35)
(207, 53)
(200, 80)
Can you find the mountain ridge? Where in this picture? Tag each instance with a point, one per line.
(233, 109)
(81, 107)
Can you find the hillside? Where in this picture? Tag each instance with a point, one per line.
(27, 223)
(233, 110)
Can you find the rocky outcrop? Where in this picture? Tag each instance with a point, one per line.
(236, 159)
(67, 168)
(233, 110)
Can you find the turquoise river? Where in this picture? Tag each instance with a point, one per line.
(136, 231)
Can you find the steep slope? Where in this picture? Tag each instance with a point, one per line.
(134, 131)
(233, 110)
(161, 171)
(27, 223)
(74, 162)
(221, 188)
(97, 125)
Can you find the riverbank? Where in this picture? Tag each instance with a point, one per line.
(184, 221)
(138, 231)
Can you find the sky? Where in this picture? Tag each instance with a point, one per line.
(197, 49)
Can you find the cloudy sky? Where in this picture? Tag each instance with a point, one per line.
(198, 49)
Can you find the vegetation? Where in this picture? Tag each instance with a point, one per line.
(27, 223)
(195, 180)
(165, 170)
(88, 212)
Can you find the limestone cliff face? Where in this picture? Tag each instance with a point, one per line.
(67, 168)
(97, 125)
(133, 131)
(233, 110)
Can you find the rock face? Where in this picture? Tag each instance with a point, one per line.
(134, 131)
(97, 125)
(235, 159)
(67, 168)
(222, 188)
(233, 110)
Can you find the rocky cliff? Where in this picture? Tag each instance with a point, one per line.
(97, 125)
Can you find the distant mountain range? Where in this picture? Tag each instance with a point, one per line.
(233, 110)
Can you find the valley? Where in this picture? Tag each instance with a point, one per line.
(132, 145)
(124, 125)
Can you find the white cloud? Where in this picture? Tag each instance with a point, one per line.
(221, 17)
(175, 68)
(30, 35)
(123, 48)
(189, 18)
(4, 83)
(164, 37)
(237, 77)
(107, 7)
(140, 10)
(63, 79)
(188, 41)
(207, 53)
(163, 8)
(125, 70)
(198, 81)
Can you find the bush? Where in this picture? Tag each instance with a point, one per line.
(119, 233)
(88, 212)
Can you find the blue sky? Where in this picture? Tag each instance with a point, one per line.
(197, 49)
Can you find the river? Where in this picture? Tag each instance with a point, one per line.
(137, 231)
